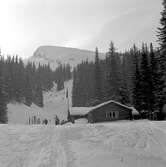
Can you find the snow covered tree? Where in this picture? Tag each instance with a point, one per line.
(162, 34)
(161, 100)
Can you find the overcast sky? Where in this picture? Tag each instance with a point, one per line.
(85, 24)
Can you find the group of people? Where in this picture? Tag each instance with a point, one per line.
(35, 120)
(45, 121)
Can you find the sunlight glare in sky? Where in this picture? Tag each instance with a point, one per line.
(85, 24)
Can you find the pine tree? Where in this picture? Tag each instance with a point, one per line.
(114, 82)
(158, 98)
(28, 91)
(60, 84)
(162, 60)
(39, 96)
(145, 79)
(130, 60)
(137, 89)
(3, 102)
(98, 91)
(162, 32)
(153, 80)
(123, 95)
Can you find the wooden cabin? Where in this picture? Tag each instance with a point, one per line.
(107, 111)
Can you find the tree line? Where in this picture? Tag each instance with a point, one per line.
(136, 77)
(132, 78)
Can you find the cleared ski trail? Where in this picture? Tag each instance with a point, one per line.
(121, 144)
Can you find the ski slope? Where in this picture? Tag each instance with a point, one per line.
(55, 103)
(117, 144)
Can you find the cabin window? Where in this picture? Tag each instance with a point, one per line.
(112, 115)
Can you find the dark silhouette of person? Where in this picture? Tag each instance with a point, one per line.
(46, 121)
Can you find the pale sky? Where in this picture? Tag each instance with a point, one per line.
(85, 24)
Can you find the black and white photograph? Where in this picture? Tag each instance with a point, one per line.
(82, 83)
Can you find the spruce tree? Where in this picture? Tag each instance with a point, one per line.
(60, 84)
(162, 60)
(137, 89)
(3, 102)
(114, 81)
(154, 77)
(158, 98)
(28, 91)
(74, 89)
(39, 96)
(145, 79)
(162, 33)
(98, 91)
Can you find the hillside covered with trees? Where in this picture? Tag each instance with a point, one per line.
(25, 83)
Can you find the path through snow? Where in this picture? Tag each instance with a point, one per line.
(126, 144)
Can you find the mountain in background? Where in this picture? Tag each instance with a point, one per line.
(55, 55)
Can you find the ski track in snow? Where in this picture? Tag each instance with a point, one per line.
(121, 144)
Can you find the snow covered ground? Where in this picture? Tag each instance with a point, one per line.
(117, 144)
(55, 103)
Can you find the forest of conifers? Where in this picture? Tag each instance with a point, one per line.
(136, 77)
(26, 83)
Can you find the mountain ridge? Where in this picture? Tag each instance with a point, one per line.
(55, 55)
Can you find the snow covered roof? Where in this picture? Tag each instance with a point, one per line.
(85, 110)
(134, 111)
(111, 101)
(80, 110)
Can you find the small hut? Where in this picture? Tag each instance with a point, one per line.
(107, 111)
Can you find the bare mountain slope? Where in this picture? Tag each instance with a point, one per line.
(55, 55)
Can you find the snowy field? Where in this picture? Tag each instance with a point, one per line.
(117, 144)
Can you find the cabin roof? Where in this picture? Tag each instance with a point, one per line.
(80, 110)
(86, 110)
